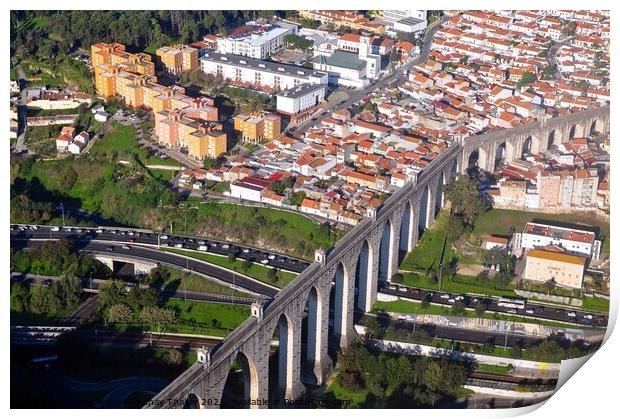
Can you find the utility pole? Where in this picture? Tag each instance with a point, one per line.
(91, 279)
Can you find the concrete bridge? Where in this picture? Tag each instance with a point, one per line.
(509, 144)
(141, 266)
(312, 317)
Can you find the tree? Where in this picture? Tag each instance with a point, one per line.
(527, 78)
(119, 313)
(583, 86)
(454, 228)
(232, 257)
(69, 177)
(374, 328)
(433, 376)
(273, 275)
(111, 293)
(20, 296)
(174, 356)
(480, 308)
(297, 198)
(464, 198)
(569, 28)
(458, 307)
(157, 317)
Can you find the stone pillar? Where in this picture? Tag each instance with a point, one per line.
(373, 279)
(347, 331)
(395, 222)
(323, 363)
(259, 388)
(491, 151)
(412, 233)
(294, 387)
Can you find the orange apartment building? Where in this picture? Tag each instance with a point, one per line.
(258, 126)
(188, 127)
(132, 77)
(177, 59)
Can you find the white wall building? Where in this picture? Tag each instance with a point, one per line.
(259, 45)
(301, 98)
(577, 242)
(257, 73)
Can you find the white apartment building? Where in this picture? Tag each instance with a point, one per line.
(406, 20)
(259, 45)
(301, 98)
(576, 242)
(254, 73)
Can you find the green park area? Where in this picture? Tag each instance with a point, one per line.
(165, 278)
(262, 273)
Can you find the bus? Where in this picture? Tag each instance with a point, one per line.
(511, 302)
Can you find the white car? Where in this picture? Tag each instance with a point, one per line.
(203, 248)
(264, 261)
(99, 231)
(55, 228)
(131, 233)
(529, 311)
(272, 257)
(163, 237)
(402, 289)
(225, 246)
(392, 287)
(571, 314)
(246, 250)
(444, 296)
(179, 245)
(126, 247)
(587, 316)
(451, 300)
(459, 298)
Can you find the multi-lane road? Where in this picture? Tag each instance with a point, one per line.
(142, 244)
(533, 310)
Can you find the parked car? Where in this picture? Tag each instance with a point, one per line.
(126, 247)
(55, 229)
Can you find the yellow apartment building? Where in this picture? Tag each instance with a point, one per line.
(566, 270)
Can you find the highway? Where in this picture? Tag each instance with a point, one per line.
(147, 237)
(165, 258)
(532, 310)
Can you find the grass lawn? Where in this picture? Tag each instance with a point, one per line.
(493, 369)
(355, 399)
(427, 252)
(120, 139)
(463, 284)
(595, 304)
(185, 281)
(411, 307)
(196, 317)
(162, 174)
(220, 318)
(500, 221)
(255, 271)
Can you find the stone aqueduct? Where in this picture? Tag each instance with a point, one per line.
(351, 270)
